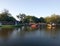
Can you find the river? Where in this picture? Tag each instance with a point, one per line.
(27, 36)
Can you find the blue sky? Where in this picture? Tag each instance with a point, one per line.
(38, 8)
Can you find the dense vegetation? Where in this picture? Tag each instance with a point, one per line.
(49, 19)
(6, 16)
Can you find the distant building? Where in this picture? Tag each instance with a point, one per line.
(10, 22)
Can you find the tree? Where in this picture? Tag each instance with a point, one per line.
(35, 19)
(53, 18)
(32, 19)
(28, 19)
(21, 17)
(48, 19)
(6, 16)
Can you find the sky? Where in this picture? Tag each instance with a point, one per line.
(38, 8)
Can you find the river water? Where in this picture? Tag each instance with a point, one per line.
(27, 36)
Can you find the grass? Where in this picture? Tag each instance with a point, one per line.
(10, 26)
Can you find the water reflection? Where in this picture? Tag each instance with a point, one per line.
(26, 34)
(4, 33)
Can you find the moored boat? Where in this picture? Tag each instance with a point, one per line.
(50, 26)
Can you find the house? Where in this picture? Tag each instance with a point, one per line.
(9, 21)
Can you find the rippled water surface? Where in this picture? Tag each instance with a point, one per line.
(27, 36)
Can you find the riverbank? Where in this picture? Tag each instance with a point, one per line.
(9, 26)
(15, 26)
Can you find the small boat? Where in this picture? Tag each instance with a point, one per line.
(34, 26)
(50, 26)
(53, 24)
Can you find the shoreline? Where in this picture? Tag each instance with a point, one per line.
(9, 26)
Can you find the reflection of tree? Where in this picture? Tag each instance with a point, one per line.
(53, 34)
(5, 32)
(25, 29)
(21, 31)
(52, 31)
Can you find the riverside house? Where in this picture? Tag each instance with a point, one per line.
(9, 21)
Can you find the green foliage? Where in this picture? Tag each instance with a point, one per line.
(6, 16)
(48, 19)
(53, 18)
(21, 17)
(42, 20)
(32, 19)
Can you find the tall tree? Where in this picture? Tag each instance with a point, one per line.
(21, 17)
(41, 20)
(6, 16)
(53, 18)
